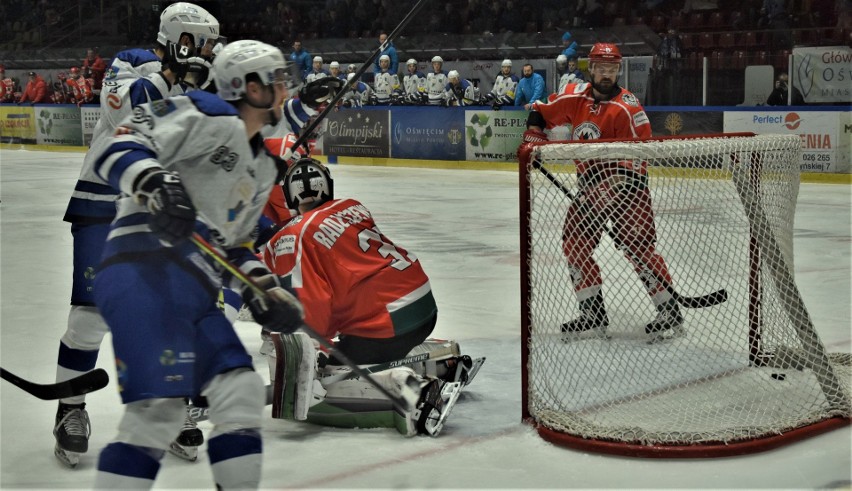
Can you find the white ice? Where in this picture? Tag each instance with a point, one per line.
(463, 225)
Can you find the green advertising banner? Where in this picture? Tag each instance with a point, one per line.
(58, 125)
(493, 135)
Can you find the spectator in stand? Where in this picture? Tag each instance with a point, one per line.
(317, 71)
(301, 58)
(530, 87)
(390, 52)
(569, 46)
(36, 91)
(334, 70)
(96, 65)
(779, 95)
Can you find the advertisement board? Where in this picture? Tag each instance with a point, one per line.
(89, 116)
(17, 124)
(823, 74)
(358, 133)
(679, 122)
(58, 125)
(493, 135)
(817, 129)
(432, 133)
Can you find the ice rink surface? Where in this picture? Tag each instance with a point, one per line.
(463, 226)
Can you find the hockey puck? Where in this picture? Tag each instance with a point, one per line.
(779, 376)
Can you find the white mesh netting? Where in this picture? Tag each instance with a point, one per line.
(749, 367)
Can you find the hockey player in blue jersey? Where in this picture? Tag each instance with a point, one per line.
(192, 163)
(135, 76)
(460, 91)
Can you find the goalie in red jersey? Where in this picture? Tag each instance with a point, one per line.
(372, 295)
(615, 191)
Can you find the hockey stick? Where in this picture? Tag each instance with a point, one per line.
(307, 131)
(403, 404)
(709, 300)
(88, 382)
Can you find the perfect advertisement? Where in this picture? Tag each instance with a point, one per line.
(358, 133)
(493, 135)
(817, 129)
(17, 124)
(430, 133)
(58, 125)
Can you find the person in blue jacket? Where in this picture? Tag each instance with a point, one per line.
(389, 50)
(530, 87)
(569, 45)
(301, 58)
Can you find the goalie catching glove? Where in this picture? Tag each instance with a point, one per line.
(320, 91)
(172, 214)
(277, 309)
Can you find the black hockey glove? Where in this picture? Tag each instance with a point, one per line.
(278, 310)
(177, 60)
(172, 213)
(320, 91)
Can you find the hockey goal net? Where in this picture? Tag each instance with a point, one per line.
(748, 372)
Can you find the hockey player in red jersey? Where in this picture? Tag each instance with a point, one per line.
(615, 191)
(80, 87)
(372, 295)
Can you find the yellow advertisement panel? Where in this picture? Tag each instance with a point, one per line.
(17, 124)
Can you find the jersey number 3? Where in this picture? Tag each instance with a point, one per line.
(385, 249)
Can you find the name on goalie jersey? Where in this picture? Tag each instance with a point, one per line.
(286, 244)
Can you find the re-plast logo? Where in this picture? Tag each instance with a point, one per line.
(792, 121)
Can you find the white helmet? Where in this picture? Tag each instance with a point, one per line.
(384, 58)
(307, 181)
(183, 17)
(453, 74)
(437, 59)
(411, 61)
(241, 58)
(507, 62)
(562, 59)
(334, 64)
(349, 76)
(317, 59)
(351, 68)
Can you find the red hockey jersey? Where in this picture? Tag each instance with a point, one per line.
(350, 278)
(620, 117)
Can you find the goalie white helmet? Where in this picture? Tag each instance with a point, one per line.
(241, 58)
(507, 63)
(307, 182)
(187, 18)
(437, 59)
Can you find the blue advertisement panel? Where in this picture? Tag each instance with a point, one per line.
(358, 133)
(431, 133)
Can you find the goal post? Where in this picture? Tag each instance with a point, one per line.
(747, 373)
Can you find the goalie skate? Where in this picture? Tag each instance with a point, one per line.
(436, 404)
(466, 369)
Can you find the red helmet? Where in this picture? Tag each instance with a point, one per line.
(605, 53)
(74, 71)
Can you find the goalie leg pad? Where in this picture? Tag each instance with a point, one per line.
(295, 384)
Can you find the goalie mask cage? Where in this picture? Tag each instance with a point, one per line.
(746, 375)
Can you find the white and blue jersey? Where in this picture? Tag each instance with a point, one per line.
(463, 94)
(435, 85)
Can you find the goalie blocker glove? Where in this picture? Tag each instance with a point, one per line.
(535, 135)
(172, 214)
(277, 310)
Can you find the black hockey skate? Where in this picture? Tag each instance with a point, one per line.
(72, 429)
(437, 399)
(667, 325)
(592, 319)
(190, 438)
